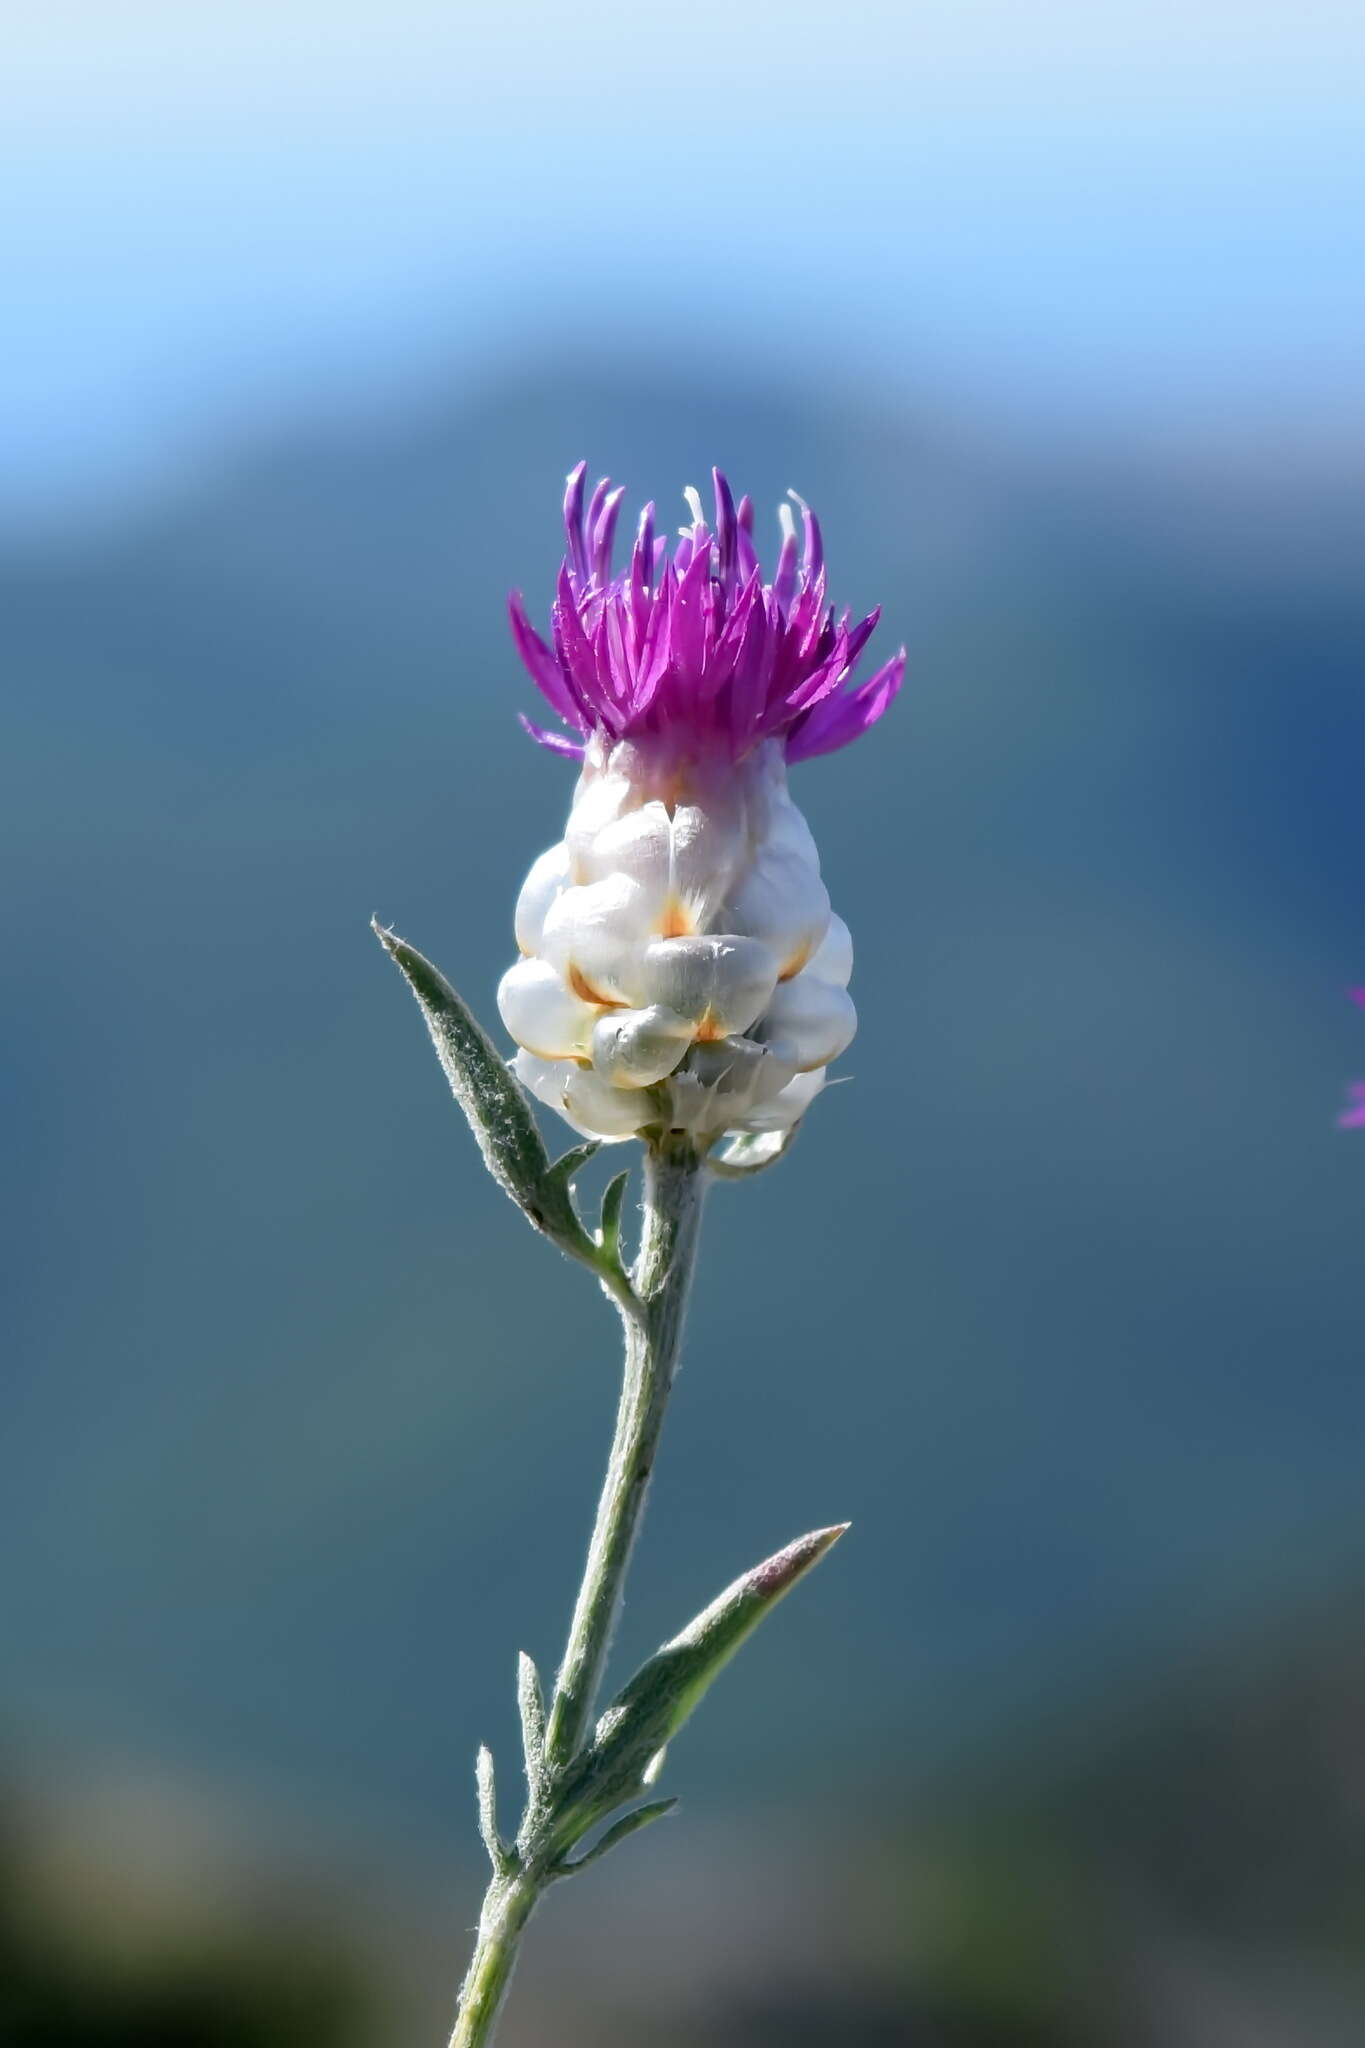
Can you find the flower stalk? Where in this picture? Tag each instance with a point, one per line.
(674, 1188)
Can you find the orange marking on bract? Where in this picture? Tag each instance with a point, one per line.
(676, 922)
(584, 990)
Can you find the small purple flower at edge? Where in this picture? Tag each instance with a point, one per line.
(1353, 1119)
(696, 649)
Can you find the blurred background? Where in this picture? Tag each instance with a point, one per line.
(1056, 314)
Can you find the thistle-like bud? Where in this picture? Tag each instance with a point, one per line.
(680, 961)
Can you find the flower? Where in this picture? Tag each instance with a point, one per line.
(697, 651)
(681, 964)
(1353, 1119)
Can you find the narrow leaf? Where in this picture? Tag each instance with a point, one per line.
(564, 1171)
(656, 1702)
(664, 1690)
(499, 1855)
(498, 1112)
(612, 1202)
(629, 1824)
(531, 1702)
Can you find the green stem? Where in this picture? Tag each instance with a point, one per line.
(508, 1905)
(673, 1190)
(674, 1183)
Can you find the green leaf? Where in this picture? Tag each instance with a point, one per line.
(565, 1169)
(620, 1831)
(652, 1707)
(612, 1202)
(500, 1117)
(499, 1855)
(498, 1112)
(531, 1704)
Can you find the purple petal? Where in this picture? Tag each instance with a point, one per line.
(860, 634)
(577, 656)
(784, 581)
(725, 527)
(591, 516)
(642, 568)
(689, 632)
(541, 665)
(731, 638)
(840, 720)
(573, 520)
(656, 652)
(603, 534)
(1353, 1119)
(555, 741)
(753, 669)
(621, 679)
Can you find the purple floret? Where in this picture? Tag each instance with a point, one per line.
(1353, 1119)
(697, 648)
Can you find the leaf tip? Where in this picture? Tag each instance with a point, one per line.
(785, 1567)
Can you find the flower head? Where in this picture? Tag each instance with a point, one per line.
(680, 961)
(694, 650)
(1353, 1118)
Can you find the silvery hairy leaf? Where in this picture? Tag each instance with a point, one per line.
(650, 1709)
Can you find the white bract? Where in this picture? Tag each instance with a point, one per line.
(680, 962)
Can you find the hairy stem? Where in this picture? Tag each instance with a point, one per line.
(508, 1905)
(674, 1182)
(662, 1274)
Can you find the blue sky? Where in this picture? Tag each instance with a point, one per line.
(1125, 218)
